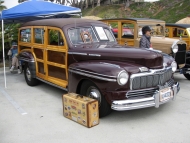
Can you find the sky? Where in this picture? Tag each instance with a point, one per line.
(10, 3)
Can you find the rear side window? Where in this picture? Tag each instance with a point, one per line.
(55, 38)
(25, 35)
(39, 35)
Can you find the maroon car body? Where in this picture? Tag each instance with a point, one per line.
(119, 77)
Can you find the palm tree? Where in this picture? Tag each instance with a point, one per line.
(20, 1)
(2, 7)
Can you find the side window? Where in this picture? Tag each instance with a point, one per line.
(25, 35)
(180, 32)
(127, 30)
(55, 38)
(166, 32)
(39, 35)
(185, 34)
(177, 32)
(114, 28)
(74, 35)
(174, 32)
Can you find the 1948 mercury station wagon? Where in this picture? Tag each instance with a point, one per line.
(128, 31)
(83, 56)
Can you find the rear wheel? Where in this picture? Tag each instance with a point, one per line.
(91, 90)
(187, 76)
(28, 77)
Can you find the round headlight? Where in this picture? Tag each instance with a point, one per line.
(174, 66)
(175, 48)
(122, 78)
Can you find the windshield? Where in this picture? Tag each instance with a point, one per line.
(104, 34)
(157, 30)
(81, 35)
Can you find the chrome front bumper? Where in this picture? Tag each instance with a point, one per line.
(130, 104)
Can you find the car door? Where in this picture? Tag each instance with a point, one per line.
(56, 57)
(39, 50)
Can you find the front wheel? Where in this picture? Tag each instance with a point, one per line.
(187, 76)
(28, 77)
(89, 89)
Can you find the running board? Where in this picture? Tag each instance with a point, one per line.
(52, 84)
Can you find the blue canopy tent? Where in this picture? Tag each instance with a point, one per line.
(32, 10)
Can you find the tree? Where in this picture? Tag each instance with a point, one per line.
(98, 2)
(2, 7)
(20, 1)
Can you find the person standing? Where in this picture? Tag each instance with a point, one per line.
(15, 62)
(145, 39)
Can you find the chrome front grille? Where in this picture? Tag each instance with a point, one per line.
(171, 82)
(137, 93)
(150, 79)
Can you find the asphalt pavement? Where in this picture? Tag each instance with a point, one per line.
(35, 115)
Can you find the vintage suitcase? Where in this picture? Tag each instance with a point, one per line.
(82, 110)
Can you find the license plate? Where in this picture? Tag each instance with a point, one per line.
(165, 94)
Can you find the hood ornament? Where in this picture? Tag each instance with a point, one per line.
(143, 69)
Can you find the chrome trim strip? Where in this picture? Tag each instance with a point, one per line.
(92, 76)
(130, 104)
(52, 84)
(25, 59)
(92, 72)
(76, 53)
(141, 92)
(97, 55)
(151, 72)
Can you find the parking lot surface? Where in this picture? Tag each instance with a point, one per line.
(35, 115)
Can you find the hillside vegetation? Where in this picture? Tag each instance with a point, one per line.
(168, 10)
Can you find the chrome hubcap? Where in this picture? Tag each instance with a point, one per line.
(28, 74)
(94, 93)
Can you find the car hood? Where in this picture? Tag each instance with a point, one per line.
(143, 57)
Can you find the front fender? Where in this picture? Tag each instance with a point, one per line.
(100, 72)
(167, 59)
(103, 74)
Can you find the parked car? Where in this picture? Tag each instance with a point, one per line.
(181, 31)
(176, 47)
(178, 30)
(83, 56)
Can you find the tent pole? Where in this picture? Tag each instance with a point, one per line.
(3, 46)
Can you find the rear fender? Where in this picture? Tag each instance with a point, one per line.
(27, 58)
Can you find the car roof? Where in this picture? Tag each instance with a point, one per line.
(178, 25)
(59, 22)
(135, 19)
